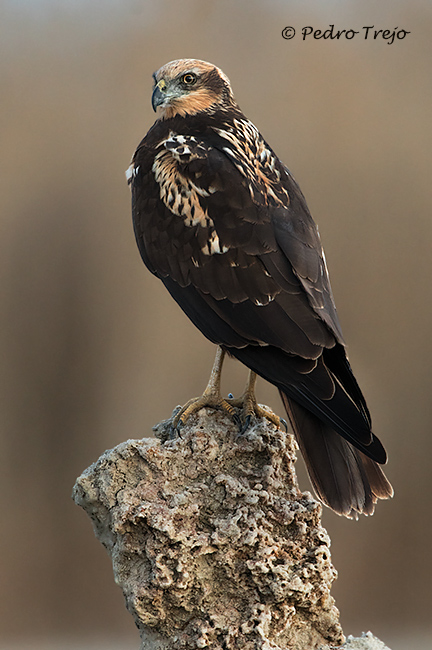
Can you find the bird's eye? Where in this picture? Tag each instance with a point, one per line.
(189, 79)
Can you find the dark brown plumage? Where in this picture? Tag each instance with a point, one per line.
(221, 221)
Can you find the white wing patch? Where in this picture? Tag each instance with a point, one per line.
(213, 245)
(131, 172)
(263, 304)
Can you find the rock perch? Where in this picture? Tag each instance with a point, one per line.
(211, 540)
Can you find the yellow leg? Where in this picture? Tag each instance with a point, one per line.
(250, 407)
(211, 397)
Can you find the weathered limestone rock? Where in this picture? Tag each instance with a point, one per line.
(211, 540)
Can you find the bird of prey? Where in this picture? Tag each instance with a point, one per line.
(220, 220)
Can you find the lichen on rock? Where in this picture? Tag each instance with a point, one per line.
(211, 539)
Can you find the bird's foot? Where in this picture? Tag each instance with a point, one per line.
(211, 399)
(250, 408)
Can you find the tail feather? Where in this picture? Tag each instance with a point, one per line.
(337, 362)
(343, 478)
(337, 408)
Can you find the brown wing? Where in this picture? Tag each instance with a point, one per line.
(197, 222)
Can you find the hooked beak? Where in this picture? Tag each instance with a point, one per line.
(159, 94)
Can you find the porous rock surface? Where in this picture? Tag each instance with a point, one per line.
(211, 540)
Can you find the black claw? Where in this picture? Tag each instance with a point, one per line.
(175, 433)
(246, 424)
(284, 422)
(237, 421)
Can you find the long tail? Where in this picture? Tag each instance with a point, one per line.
(343, 477)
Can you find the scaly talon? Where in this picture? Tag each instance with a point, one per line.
(197, 403)
(250, 407)
(211, 397)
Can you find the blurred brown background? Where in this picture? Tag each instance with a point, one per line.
(94, 351)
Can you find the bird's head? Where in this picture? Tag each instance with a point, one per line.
(189, 86)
